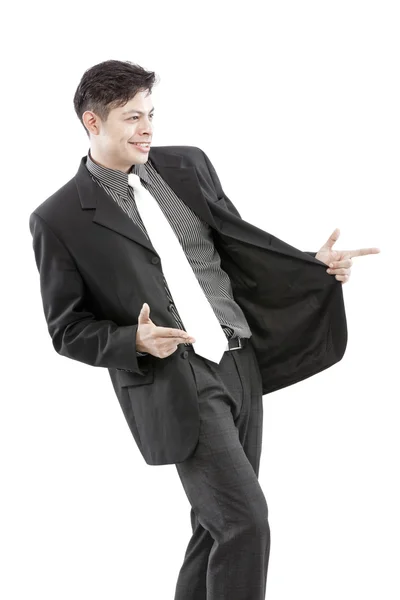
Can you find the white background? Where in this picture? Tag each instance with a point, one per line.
(297, 106)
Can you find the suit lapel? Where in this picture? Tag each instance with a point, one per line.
(181, 177)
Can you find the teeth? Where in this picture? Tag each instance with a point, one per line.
(145, 145)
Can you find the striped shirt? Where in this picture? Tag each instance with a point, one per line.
(194, 234)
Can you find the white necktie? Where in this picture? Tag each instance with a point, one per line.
(192, 304)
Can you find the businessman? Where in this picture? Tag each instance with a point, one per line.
(143, 241)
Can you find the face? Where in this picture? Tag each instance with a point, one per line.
(112, 141)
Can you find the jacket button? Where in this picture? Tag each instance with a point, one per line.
(185, 354)
(155, 260)
(170, 307)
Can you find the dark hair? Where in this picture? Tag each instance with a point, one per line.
(110, 84)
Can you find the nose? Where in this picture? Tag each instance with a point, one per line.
(147, 125)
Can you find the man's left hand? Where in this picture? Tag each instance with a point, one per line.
(339, 261)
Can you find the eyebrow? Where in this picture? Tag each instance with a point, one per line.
(133, 110)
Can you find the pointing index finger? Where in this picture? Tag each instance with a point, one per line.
(364, 251)
(171, 332)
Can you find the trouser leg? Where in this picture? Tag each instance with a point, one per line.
(227, 555)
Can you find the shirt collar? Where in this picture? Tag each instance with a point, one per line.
(114, 179)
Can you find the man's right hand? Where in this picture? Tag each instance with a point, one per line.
(158, 341)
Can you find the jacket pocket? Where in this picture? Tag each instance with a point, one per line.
(126, 378)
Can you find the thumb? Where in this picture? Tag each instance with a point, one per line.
(144, 313)
(332, 239)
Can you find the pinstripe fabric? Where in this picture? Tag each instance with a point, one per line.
(194, 234)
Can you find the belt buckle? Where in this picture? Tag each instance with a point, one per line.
(236, 347)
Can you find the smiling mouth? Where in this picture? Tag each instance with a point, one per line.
(143, 149)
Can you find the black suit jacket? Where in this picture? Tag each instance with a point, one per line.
(97, 268)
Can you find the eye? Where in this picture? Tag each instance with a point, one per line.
(136, 117)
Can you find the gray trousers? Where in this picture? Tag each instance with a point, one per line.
(227, 555)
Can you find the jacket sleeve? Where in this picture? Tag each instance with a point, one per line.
(218, 186)
(311, 253)
(74, 330)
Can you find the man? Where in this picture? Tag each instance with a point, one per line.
(108, 304)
